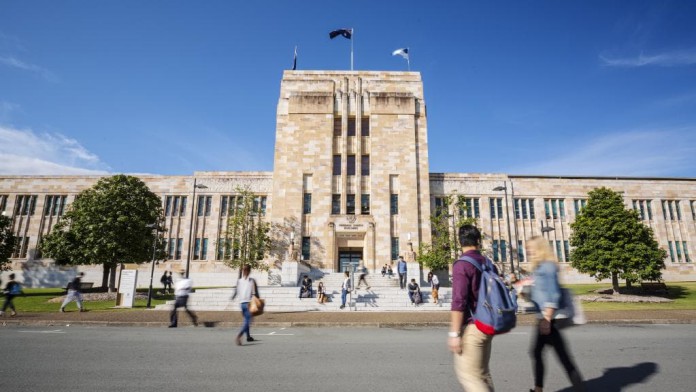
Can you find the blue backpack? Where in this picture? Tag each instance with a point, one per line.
(496, 308)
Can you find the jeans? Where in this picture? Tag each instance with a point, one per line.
(402, 280)
(344, 294)
(247, 320)
(471, 366)
(73, 295)
(8, 302)
(181, 302)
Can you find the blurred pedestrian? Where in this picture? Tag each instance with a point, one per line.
(321, 293)
(434, 286)
(361, 279)
(182, 289)
(401, 268)
(246, 288)
(12, 289)
(74, 293)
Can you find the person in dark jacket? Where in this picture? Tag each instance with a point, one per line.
(12, 289)
(74, 293)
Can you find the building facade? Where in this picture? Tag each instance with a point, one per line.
(351, 184)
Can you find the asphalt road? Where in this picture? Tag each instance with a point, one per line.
(612, 358)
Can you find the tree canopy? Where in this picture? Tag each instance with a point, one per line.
(107, 224)
(610, 241)
(7, 241)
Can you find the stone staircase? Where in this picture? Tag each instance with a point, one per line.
(384, 295)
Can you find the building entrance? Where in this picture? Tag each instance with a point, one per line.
(349, 258)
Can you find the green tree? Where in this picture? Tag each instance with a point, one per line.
(610, 241)
(444, 246)
(107, 224)
(247, 239)
(7, 241)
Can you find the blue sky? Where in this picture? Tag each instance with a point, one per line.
(604, 88)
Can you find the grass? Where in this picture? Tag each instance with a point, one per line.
(36, 300)
(683, 295)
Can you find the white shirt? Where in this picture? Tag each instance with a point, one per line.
(183, 287)
(245, 287)
(346, 284)
(435, 281)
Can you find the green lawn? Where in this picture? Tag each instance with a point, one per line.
(683, 294)
(36, 300)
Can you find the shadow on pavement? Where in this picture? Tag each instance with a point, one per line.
(616, 379)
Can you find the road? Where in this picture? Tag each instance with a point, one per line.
(68, 358)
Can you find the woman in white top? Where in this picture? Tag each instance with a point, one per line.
(246, 287)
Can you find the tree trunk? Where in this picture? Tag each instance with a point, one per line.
(112, 278)
(105, 277)
(615, 282)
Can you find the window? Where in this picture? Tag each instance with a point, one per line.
(441, 206)
(671, 210)
(524, 209)
(671, 251)
(305, 248)
(579, 204)
(179, 247)
(337, 126)
(520, 251)
(54, 205)
(350, 204)
(555, 208)
(204, 249)
(21, 247)
(3, 202)
(468, 207)
(25, 205)
(686, 252)
(365, 165)
(351, 126)
(259, 205)
(336, 165)
(223, 248)
(307, 203)
(171, 248)
(365, 126)
(394, 248)
(693, 208)
(495, 251)
(335, 204)
(642, 207)
(677, 245)
(496, 207)
(175, 206)
(350, 165)
(182, 210)
(503, 250)
(365, 204)
(566, 249)
(224, 203)
(394, 205)
(559, 251)
(204, 203)
(197, 249)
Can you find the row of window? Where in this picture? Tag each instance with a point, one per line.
(176, 205)
(364, 126)
(350, 204)
(679, 246)
(500, 252)
(350, 165)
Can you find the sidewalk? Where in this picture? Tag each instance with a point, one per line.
(159, 318)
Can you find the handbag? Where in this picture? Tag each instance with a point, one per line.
(256, 306)
(570, 312)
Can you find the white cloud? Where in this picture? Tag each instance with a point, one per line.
(14, 62)
(667, 59)
(638, 153)
(25, 152)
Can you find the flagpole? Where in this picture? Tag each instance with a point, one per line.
(408, 60)
(352, 37)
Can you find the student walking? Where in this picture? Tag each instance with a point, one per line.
(546, 296)
(361, 280)
(470, 346)
(246, 288)
(12, 289)
(401, 269)
(74, 293)
(434, 286)
(182, 289)
(321, 293)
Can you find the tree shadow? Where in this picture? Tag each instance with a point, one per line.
(617, 378)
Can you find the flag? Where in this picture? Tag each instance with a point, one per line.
(347, 33)
(294, 61)
(401, 52)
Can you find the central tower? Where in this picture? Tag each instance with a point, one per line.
(351, 166)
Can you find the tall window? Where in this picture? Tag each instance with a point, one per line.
(496, 207)
(171, 249)
(179, 248)
(679, 251)
(305, 248)
(337, 126)
(559, 252)
(21, 247)
(394, 248)
(520, 251)
(336, 165)
(3, 202)
(365, 204)
(554, 208)
(196, 248)
(671, 251)
(350, 204)
(204, 204)
(259, 205)
(307, 204)
(223, 244)
(441, 206)
(671, 210)
(579, 204)
(524, 209)
(643, 209)
(468, 207)
(693, 209)
(496, 257)
(394, 204)
(566, 249)
(365, 165)
(351, 126)
(25, 205)
(365, 126)
(350, 162)
(54, 205)
(175, 206)
(686, 252)
(335, 204)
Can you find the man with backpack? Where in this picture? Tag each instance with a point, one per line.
(471, 347)
(12, 290)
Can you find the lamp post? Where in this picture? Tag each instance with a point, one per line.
(157, 229)
(507, 212)
(193, 216)
(546, 229)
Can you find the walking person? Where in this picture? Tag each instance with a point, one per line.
(361, 280)
(169, 282)
(345, 289)
(12, 289)
(74, 293)
(434, 286)
(321, 293)
(182, 289)
(164, 280)
(470, 346)
(246, 288)
(546, 296)
(401, 269)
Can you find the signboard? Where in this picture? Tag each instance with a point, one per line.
(126, 288)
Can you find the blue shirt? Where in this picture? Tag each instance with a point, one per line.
(546, 291)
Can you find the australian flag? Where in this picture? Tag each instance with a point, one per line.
(347, 33)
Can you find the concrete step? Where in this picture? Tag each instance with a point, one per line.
(285, 299)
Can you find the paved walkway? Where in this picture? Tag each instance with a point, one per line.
(158, 318)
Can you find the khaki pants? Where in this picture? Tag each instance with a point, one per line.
(435, 295)
(471, 366)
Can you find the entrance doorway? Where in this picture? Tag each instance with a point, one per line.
(349, 258)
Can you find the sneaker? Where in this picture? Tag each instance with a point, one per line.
(250, 339)
(172, 326)
(62, 310)
(13, 314)
(83, 310)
